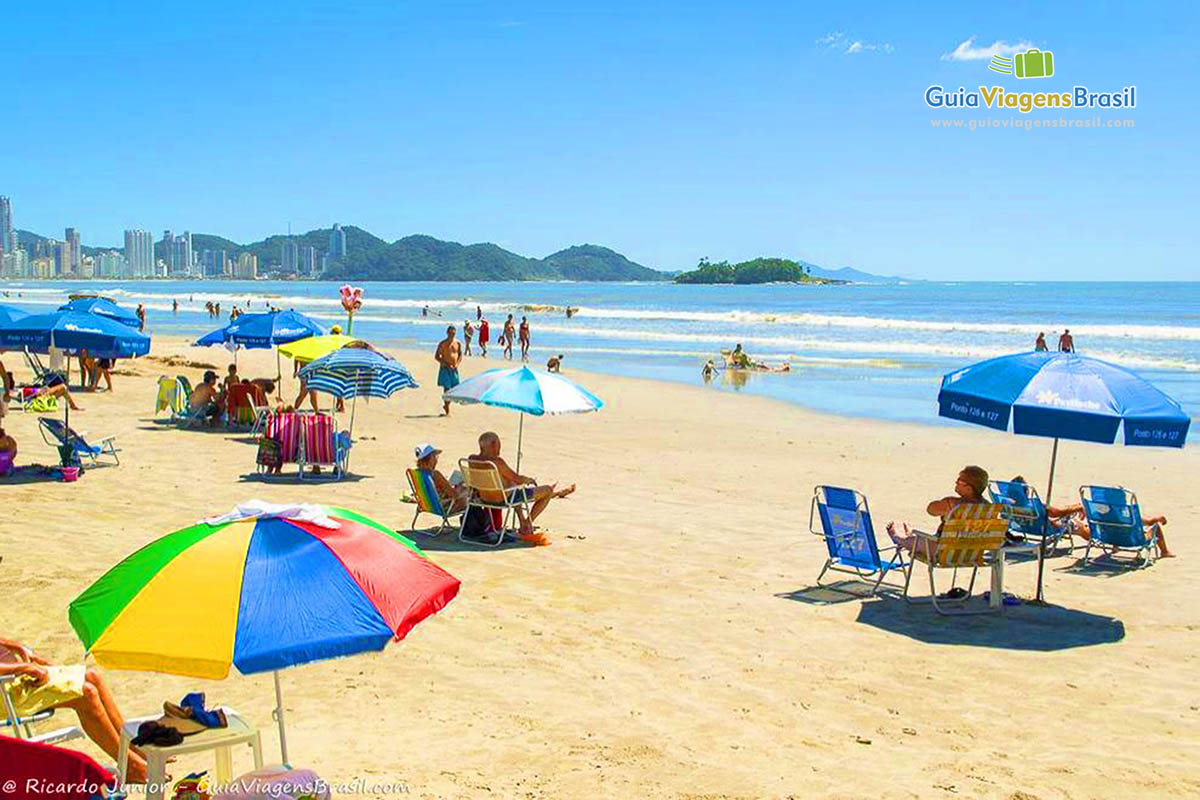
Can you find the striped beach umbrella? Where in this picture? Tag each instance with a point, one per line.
(357, 372)
(528, 391)
(262, 588)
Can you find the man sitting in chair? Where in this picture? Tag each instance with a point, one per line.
(41, 685)
(207, 398)
(517, 487)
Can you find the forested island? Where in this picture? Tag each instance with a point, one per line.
(758, 270)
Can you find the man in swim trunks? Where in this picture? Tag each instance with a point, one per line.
(517, 487)
(448, 355)
(1066, 342)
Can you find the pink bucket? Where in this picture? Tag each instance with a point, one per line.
(70, 474)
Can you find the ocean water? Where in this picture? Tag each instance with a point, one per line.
(876, 351)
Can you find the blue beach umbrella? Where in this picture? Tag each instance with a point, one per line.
(527, 391)
(262, 331)
(1063, 396)
(10, 313)
(101, 307)
(74, 330)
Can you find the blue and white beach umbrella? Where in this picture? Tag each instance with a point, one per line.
(527, 391)
(10, 313)
(264, 330)
(357, 372)
(102, 307)
(1063, 396)
(73, 330)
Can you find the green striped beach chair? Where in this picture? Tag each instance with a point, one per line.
(425, 494)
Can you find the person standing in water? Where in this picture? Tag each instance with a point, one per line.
(478, 313)
(174, 306)
(1039, 344)
(468, 333)
(1066, 342)
(510, 333)
(484, 335)
(141, 315)
(449, 356)
(524, 336)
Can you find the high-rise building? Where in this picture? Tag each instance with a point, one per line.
(111, 264)
(139, 254)
(289, 255)
(212, 263)
(247, 267)
(337, 243)
(42, 267)
(72, 254)
(86, 267)
(8, 237)
(180, 258)
(308, 264)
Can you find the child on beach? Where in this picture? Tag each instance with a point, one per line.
(484, 335)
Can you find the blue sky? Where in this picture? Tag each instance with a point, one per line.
(667, 131)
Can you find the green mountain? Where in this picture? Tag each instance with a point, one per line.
(590, 262)
(422, 258)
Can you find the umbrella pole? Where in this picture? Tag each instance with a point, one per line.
(278, 714)
(1046, 530)
(520, 436)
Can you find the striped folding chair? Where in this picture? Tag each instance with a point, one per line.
(969, 537)
(285, 429)
(425, 494)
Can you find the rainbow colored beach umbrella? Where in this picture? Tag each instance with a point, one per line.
(261, 588)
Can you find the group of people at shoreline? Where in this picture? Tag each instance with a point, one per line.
(1066, 342)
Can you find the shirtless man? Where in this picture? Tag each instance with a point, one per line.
(517, 487)
(207, 398)
(449, 356)
(1066, 342)
(524, 337)
(510, 331)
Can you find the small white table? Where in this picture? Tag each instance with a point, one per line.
(996, 599)
(221, 740)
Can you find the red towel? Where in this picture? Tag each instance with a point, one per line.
(41, 771)
(318, 439)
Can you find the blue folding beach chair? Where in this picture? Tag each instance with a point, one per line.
(1115, 523)
(1026, 514)
(845, 525)
(56, 434)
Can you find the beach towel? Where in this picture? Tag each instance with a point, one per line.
(32, 767)
(318, 439)
(285, 429)
(64, 684)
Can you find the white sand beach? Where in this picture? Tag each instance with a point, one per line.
(667, 643)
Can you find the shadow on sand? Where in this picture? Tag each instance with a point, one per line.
(843, 591)
(1042, 628)
(448, 542)
(294, 479)
(1104, 566)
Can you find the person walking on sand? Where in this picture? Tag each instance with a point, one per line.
(468, 334)
(484, 335)
(523, 333)
(449, 356)
(1066, 342)
(141, 315)
(1039, 344)
(510, 333)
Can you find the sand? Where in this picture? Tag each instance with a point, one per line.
(668, 643)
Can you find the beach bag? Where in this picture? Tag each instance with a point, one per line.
(277, 783)
(478, 523)
(44, 404)
(269, 452)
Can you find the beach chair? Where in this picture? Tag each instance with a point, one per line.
(969, 538)
(284, 428)
(1115, 523)
(239, 409)
(42, 376)
(172, 397)
(1026, 514)
(322, 445)
(260, 407)
(22, 727)
(425, 494)
(56, 434)
(485, 490)
(845, 525)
